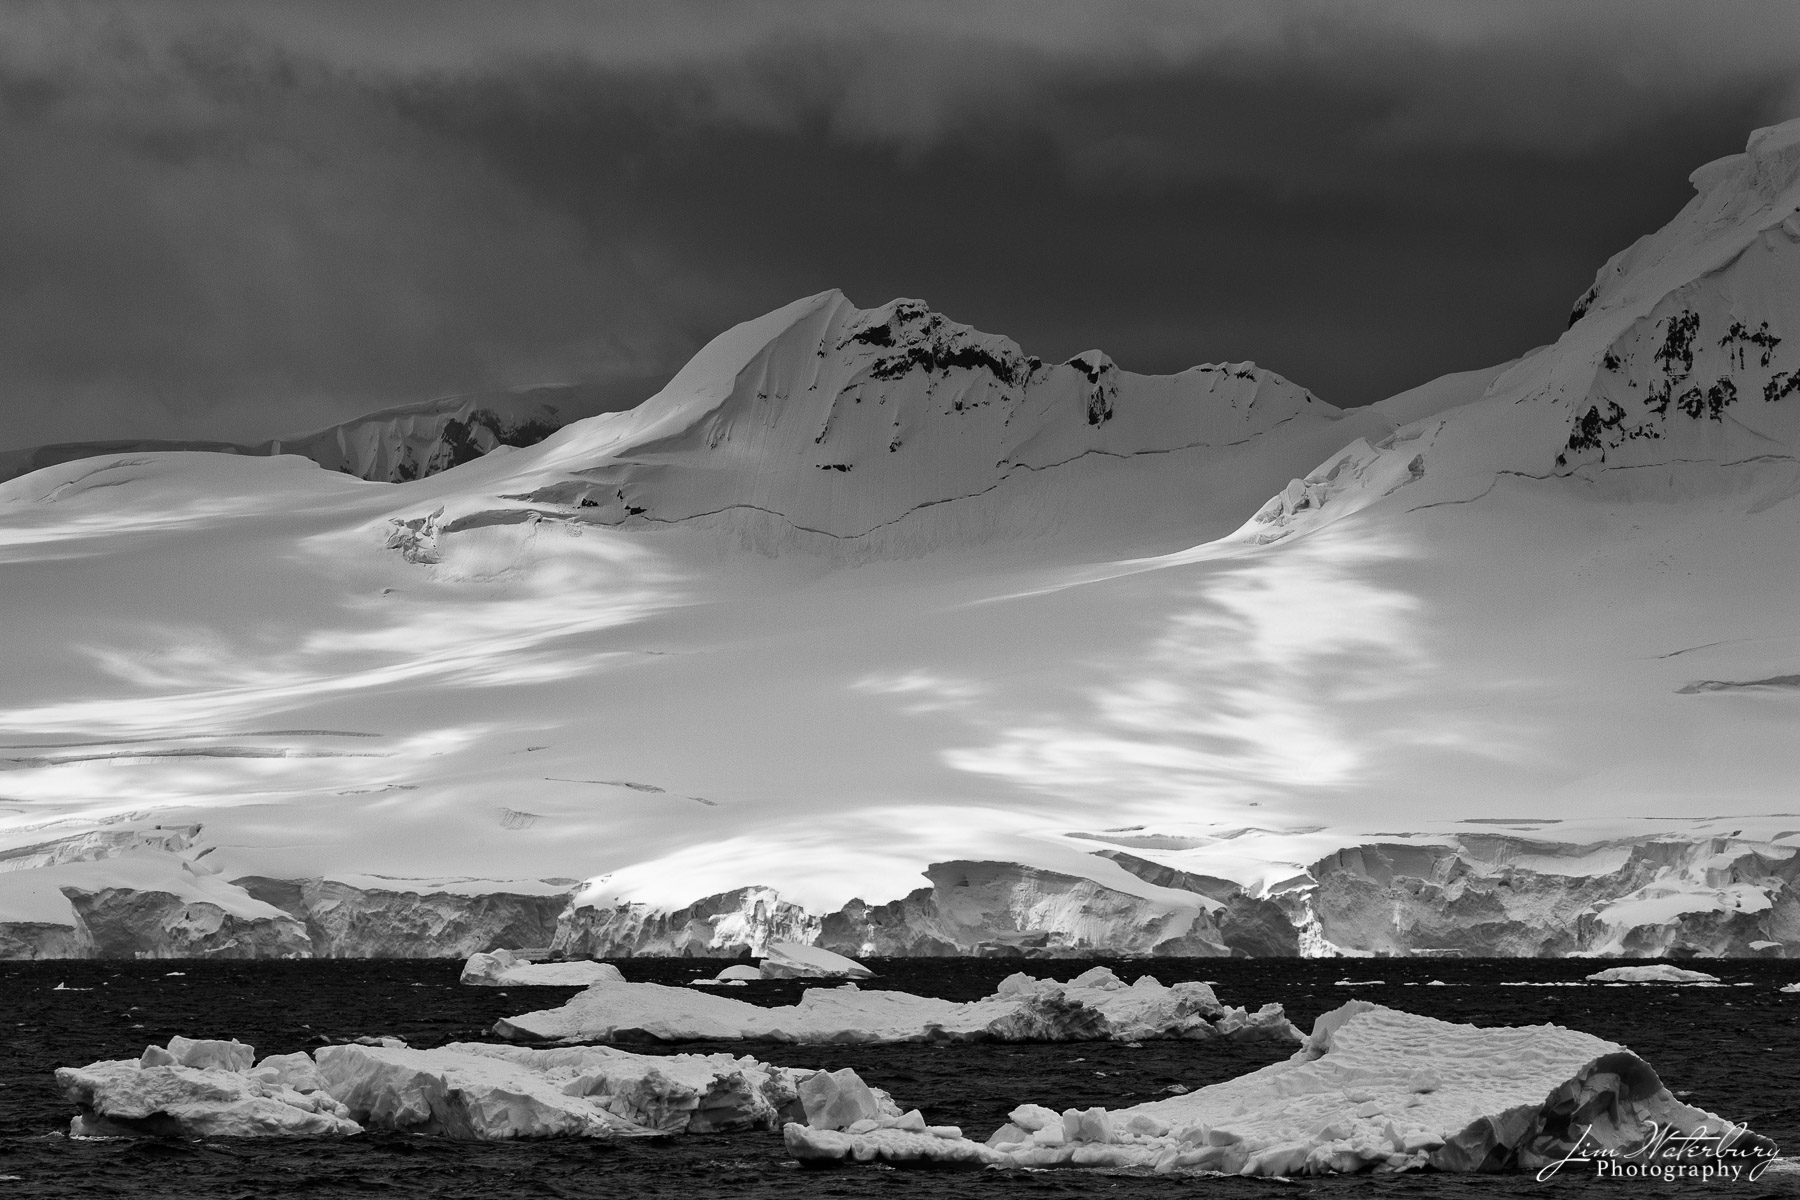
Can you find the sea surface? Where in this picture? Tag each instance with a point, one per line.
(1734, 1050)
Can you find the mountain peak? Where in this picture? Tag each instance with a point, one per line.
(837, 421)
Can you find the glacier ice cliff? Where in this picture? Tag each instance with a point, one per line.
(1469, 894)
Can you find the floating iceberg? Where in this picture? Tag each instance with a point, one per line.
(736, 975)
(1659, 973)
(1371, 1089)
(200, 1088)
(503, 968)
(791, 960)
(1093, 1006)
(464, 1090)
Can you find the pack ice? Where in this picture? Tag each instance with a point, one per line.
(1372, 1089)
(1094, 1006)
(464, 1090)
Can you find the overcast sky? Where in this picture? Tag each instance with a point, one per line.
(234, 220)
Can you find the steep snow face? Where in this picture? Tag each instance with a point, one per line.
(823, 422)
(1674, 358)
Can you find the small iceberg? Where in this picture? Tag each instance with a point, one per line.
(507, 968)
(791, 960)
(1657, 973)
(736, 975)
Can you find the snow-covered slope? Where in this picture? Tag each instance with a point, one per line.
(393, 446)
(871, 632)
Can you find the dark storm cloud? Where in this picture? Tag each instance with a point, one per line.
(242, 220)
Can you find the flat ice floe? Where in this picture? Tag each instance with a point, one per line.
(1094, 1006)
(1371, 1089)
(465, 1090)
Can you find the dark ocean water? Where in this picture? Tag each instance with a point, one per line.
(1733, 1050)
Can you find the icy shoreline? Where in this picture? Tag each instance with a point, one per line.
(153, 894)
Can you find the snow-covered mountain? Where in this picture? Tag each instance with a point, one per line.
(394, 445)
(872, 631)
(822, 423)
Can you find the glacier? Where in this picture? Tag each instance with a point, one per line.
(866, 599)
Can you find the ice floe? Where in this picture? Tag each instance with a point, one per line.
(1095, 1005)
(1373, 1089)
